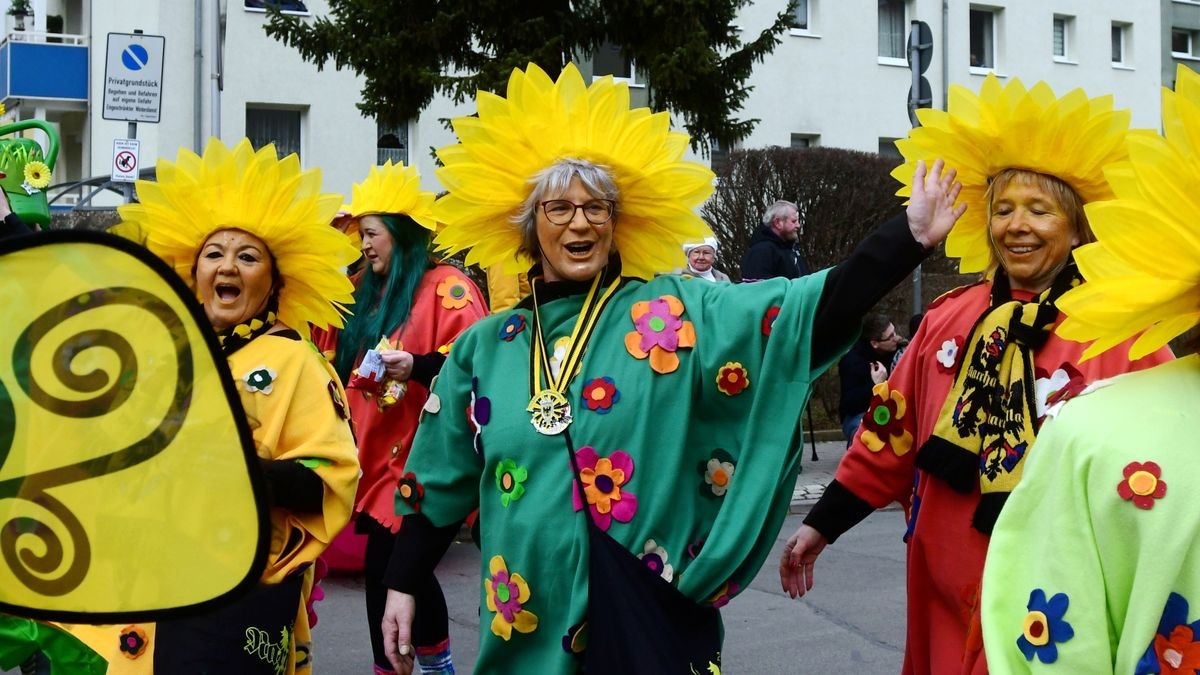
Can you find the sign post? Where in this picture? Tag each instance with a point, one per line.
(133, 78)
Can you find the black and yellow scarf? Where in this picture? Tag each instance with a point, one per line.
(236, 337)
(987, 423)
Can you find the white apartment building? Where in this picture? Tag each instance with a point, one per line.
(839, 78)
(267, 92)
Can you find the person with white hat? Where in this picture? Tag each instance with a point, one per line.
(700, 258)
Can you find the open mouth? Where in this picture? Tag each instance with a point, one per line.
(227, 292)
(1021, 250)
(580, 249)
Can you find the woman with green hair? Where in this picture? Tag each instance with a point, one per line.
(408, 309)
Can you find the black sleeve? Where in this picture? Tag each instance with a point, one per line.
(419, 548)
(837, 511)
(758, 263)
(293, 486)
(427, 366)
(14, 227)
(877, 264)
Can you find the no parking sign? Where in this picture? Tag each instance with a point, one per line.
(133, 74)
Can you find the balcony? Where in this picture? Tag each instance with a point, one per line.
(46, 66)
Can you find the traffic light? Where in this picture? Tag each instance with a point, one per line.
(920, 55)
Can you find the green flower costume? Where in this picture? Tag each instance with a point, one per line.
(1094, 565)
(707, 531)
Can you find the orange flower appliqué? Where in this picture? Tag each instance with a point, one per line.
(454, 293)
(660, 333)
(732, 379)
(883, 424)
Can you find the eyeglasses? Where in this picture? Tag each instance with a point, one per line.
(562, 211)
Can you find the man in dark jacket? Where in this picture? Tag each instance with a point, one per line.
(866, 364)
(773, 251)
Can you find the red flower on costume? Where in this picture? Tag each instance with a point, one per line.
(1142, 485)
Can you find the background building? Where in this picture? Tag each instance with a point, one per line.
(839, 78)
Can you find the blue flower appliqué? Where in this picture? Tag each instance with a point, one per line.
(512, 326)
(1044, 626)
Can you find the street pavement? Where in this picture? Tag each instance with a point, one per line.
(851, 622)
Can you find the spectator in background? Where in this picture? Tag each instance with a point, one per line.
(700, 259)
(866, 364)
(773, 251)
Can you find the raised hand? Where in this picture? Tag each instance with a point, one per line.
(931, 210)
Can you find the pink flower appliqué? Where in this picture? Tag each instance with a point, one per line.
(602, 479)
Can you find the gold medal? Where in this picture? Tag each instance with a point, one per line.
(551, 412)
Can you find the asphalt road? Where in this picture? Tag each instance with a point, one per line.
(852, 621)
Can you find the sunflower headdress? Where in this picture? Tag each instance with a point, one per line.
(393, 188)
(1010, 127)
(541, 121)
(258, 193)
(1143, 272)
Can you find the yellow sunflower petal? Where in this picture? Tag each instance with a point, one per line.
(539, 121)
(255, 191)
(1009, 126)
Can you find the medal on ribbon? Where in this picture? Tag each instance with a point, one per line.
(549, 409)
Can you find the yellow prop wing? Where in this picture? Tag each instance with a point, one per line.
(129, 485)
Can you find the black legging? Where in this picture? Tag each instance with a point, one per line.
(431, 626)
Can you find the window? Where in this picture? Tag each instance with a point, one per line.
(392, 144)
(800, 17)
(983, 38)
(608, 61)
(1063, 26)
(891, 29)
(1183, 42)
(1120, 40)
(274, 125)
(887, 148)
(805, 140)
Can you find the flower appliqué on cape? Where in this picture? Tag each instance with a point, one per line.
(479, 413)
(732, 378)
(654, 557)
(724, 595)
(660, 333)
(1142, 484)
(512, 327)
(260, 380)
(768, 320)
(507, 594)
(947, 356)
(600, 395)
(454, 293)
(1064, 384)
(717, 472)
(602, 479)
(509, 481)
(1175, 648)
(409, 494)
(1044, 626)
(883, 425)
(133, 641)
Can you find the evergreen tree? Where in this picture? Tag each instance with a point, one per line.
(688, 52)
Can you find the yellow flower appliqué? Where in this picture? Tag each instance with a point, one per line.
(884, 422)
(507, 594)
